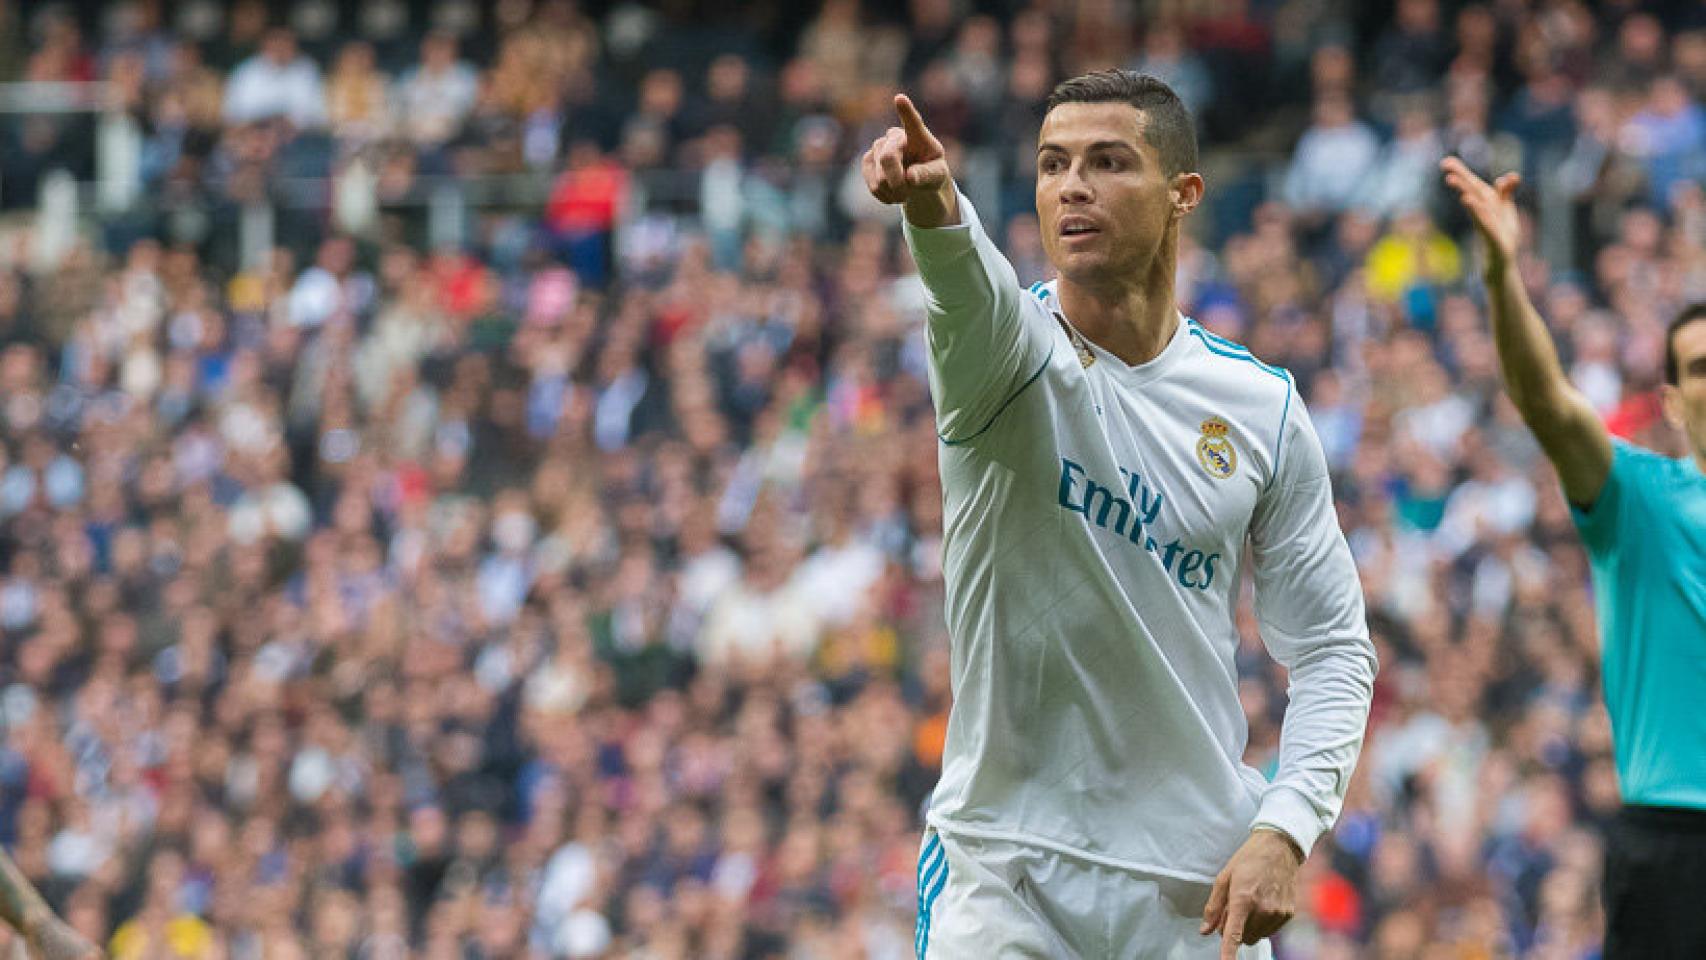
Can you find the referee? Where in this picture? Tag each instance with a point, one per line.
(1642, 518)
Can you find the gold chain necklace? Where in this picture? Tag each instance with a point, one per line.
(1085, 356)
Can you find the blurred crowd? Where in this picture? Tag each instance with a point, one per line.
(575, 590)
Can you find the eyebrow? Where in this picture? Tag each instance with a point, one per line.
(1098, 145)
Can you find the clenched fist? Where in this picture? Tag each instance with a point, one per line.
(907, 165)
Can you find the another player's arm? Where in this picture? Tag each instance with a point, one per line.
(1310, 610)
(981, 349)
(1563, 421)
(23, 909)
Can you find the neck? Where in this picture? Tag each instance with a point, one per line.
(1132, 317)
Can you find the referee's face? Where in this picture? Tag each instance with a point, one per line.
(1685, 400)
(1104, 202)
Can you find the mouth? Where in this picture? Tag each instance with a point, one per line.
(1078, 227)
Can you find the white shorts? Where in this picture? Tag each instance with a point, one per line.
(981, 899)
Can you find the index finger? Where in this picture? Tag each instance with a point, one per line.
(1454, 166)
(910, 120)
(1233, 936)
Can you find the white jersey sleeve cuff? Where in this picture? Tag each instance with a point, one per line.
(1287, 810)
(935, 244)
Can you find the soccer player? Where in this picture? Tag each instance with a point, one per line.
(1642, 517)
(45, 935)
(1106, 462)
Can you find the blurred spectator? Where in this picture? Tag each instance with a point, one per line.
(1331, 160)
(583, 209)
(1541, 115)
(276, 82)
(356, 97)
(1165, 55)
(731, 99)
(847, 53)
(1668, 137)
(1412, 53)
(434, 98)
(1410, 261)
(1403, 178)
(1639, 55)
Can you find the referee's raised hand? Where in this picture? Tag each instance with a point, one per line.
(907, 165)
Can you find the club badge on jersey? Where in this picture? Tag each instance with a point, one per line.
(1215, 450)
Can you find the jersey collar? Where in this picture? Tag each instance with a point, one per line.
(1127, 373)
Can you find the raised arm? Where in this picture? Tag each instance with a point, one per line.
(1563, 421)
(986, 342)
(47, 936)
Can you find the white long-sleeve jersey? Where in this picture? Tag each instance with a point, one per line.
(1096, 518)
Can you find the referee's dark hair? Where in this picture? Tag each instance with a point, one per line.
(1673, 363)
(1167, 124)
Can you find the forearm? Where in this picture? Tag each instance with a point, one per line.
(1320, 740)
(970, 284)
(1534, 376)
(20, 905)
(1568, 428)
(981, 346)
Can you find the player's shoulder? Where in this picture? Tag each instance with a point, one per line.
(1633, 463)
(1041, 296)
(1039, 300)
(1256, 400)
(1222, 363)
(1634, 455)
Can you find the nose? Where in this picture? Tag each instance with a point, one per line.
(1074, 186)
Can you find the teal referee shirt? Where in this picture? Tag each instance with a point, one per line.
(1646, 540)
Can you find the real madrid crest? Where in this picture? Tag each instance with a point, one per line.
(1215, 450)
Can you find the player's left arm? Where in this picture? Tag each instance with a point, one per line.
(1310, 608)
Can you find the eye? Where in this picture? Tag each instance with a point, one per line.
(1108, 161)
(1049, 165)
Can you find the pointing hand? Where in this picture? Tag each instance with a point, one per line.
(907, 161)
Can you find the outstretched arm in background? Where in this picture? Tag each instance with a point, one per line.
(23, 909)
(1563, 421)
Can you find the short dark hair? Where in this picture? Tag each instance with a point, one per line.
(1673, 363)
(1168, 127)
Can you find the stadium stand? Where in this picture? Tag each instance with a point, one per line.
(468, 486)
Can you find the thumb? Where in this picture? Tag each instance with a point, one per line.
(1211, 914)
(1507, 185)
(929, 174)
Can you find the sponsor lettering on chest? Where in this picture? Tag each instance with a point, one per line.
(1135, 512)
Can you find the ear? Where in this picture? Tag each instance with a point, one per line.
(1187, 190)
(1670, 397)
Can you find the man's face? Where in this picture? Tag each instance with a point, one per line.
(1685, 401)
(1104, 203)
(280, 47)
